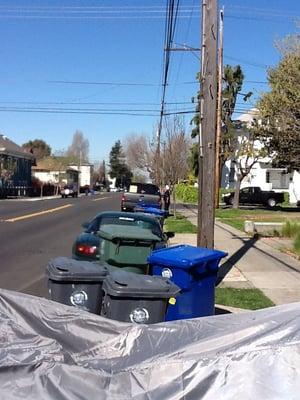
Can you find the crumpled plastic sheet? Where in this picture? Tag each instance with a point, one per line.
(52, 351)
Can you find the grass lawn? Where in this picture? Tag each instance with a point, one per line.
(236, 218)
(250, 299)
(180, 224)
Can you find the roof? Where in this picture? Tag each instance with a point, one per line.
(249, 116)
(10, 148)
(52, 164)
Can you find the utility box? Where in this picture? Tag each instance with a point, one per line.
(140, 299)
(194, 270)
(76, 283)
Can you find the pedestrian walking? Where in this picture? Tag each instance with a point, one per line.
(167, 198)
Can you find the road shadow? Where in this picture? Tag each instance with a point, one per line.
(220, 311)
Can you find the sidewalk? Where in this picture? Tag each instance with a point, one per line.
(251, 262)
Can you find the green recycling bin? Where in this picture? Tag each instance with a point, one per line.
(127, 247)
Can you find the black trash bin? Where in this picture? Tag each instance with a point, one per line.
(76, 283)
(140, 299)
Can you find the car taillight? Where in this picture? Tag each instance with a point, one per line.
(86, 250)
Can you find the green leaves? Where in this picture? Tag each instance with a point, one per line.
(118, 166)
(279, 126)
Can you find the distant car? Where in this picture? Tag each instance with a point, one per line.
(141, 194)
(69, 190)
(86, 245)
(254, 195)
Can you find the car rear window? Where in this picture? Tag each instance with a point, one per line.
(144, 188)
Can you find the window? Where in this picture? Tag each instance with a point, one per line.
(245, 190)
(144, 188)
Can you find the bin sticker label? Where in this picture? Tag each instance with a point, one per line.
(172, 301)
(166, 273)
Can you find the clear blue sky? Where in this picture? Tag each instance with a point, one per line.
(118, 41)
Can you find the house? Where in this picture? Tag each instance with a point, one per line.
(262, 174)
(55, 170)
(86, 173)
(58, 170)
(15, 169)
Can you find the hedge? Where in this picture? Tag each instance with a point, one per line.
(186, 193)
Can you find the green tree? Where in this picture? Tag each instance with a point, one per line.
(247, 152)
(279, 121)
(118, 166)
(38, 147)
(232, 85)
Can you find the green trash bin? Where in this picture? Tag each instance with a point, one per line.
(127, 247)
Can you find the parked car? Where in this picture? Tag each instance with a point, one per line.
(69, 190)
(86, 245)
(254, 195)
(140, 193)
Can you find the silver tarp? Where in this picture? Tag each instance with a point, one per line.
(52, 351)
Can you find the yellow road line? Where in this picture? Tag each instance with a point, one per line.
(38, 213)
(102, 198)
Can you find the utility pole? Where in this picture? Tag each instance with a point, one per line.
(79, 170)
(219, 106)
(207, 130)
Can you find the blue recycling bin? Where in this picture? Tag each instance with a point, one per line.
(156, 212)
(194, 270)
(147, 205)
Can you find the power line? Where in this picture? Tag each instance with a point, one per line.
(171, 21)
(67, 82)
(254, 64)
(52, 110)
(92, 103)
(101, 83)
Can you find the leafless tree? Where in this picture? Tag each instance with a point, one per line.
(139, 150)
(79, 148)
(175, 153)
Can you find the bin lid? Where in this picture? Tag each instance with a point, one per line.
(67, 269)
(184, 256)
(124, 232)
(151, 210)
(123, 283)
(154, 205)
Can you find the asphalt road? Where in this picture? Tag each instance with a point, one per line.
(33, 232)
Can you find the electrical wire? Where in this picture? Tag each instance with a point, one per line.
(171, 19)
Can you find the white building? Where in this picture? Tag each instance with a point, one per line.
(262, 173)
(55, 170)
(85, 174)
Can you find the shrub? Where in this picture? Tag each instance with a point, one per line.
(286, 201)
(186, 193)
(290, 229)
(297, 243)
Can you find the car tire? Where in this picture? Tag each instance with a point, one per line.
(271, 202)
(62, 196)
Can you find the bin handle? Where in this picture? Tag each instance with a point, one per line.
(118, 247)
